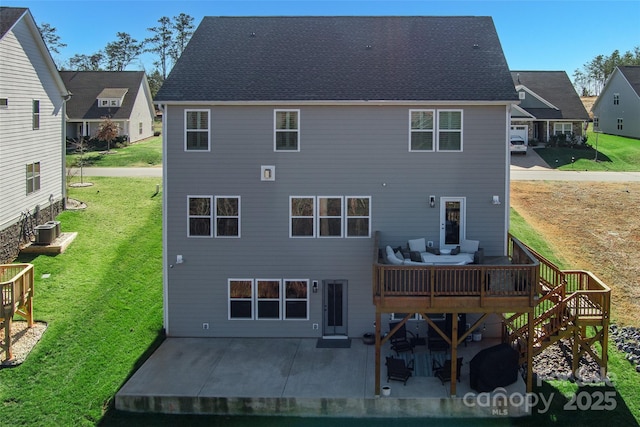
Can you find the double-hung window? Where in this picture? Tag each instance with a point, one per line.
(296, 299)
(286, 130)
(562, 128)
(33, 177)
(421, 132)
(449, 130)
(358, 212)
(268, 299)
(196, 130)
(200, 216)
(240, 298)
(227, 216)
(620, 123)
(329, 216)
(36, 114)
(302, 216)
(616, 99)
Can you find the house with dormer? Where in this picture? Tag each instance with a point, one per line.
(122, 96)
(617, 109)
(33, 99)
(549, 106)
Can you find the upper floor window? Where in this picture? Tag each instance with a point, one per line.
(36, 114)
(4, 102)
(596, 123)
(421, 135)
(521, 94)
(196, 130)
(620, 124)
(449, 130)
(33, 177)
(104, 103)
(616, 99)
(562, 128)
(302, 215)
(140, 126)
(358, 211)
(286, 130)
(227, 216)
(329, 216)
(199, 216)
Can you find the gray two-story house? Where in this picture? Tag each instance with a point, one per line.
(289, 141)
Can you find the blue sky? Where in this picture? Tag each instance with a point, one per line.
(535, 35)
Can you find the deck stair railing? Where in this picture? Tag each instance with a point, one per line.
(16, 293)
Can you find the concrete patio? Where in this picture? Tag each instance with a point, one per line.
(291, 377)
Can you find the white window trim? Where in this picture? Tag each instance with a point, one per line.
(215, 217)
(285, 299)
(616, 99)
(35, 176)
(280, 299)
(619, 123)
(562, 125)
(433, 131)
(347, 217)
(438, 130)
(35, 115)
(252, 299)
(276, 130)
(211, 216)
(208, 130)
(313, 235)
(318, 217)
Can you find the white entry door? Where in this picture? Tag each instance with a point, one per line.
(452, 221)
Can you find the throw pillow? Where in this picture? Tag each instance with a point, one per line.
(416, 257)
(399, 255)
(469, 246)
(391, 256)
(419, 245)
(455, 251)
(434, 251)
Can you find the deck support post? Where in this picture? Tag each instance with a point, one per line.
(531, 337)
(377, 332)
(454, 353)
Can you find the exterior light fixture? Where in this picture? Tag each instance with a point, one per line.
(496, 200)
(267, 173)
(432, 201)
(314, 288)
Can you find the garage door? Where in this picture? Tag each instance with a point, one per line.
(522, 131)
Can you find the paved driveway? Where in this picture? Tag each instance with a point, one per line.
(530, 161)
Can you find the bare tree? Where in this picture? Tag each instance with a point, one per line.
(108, 131)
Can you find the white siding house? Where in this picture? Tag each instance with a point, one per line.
(32, 110)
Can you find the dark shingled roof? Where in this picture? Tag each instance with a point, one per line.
(8, 17)
(341, 58)
(87, 85)
(632, 74)
(556, 88)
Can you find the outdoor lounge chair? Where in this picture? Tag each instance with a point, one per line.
(443, 372)
(402, 341)
(398, 370)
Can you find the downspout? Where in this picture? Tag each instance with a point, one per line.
(65, 98)
(165, 256)
(507, 184)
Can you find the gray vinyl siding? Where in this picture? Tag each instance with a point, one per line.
(530, 101)
(628, 109)
(24, 77)
(344, 151)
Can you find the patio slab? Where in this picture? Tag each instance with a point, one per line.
(290, 377)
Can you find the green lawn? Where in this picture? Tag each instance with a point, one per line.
(103, 306)
(147, 153)
(615, 153)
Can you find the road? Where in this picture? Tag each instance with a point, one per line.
(518, 173)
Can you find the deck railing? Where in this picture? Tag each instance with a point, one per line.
(517, 278)
(16, 292)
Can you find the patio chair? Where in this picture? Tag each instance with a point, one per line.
(398, 370)
(443, 372)
(402, 341)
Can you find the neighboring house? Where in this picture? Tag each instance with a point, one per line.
(32, 110)
(617, 109)
(289, 141)
(549, 106)
(122, 96)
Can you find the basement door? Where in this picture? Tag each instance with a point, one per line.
(335, 307)
(452, 221)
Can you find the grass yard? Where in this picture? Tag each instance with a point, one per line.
(103, 306)
(615, 153)
(146, 153)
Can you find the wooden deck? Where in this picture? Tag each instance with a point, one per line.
(16, 291)
(538, 302)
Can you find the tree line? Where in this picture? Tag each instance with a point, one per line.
(167, 41)
(590, 80)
